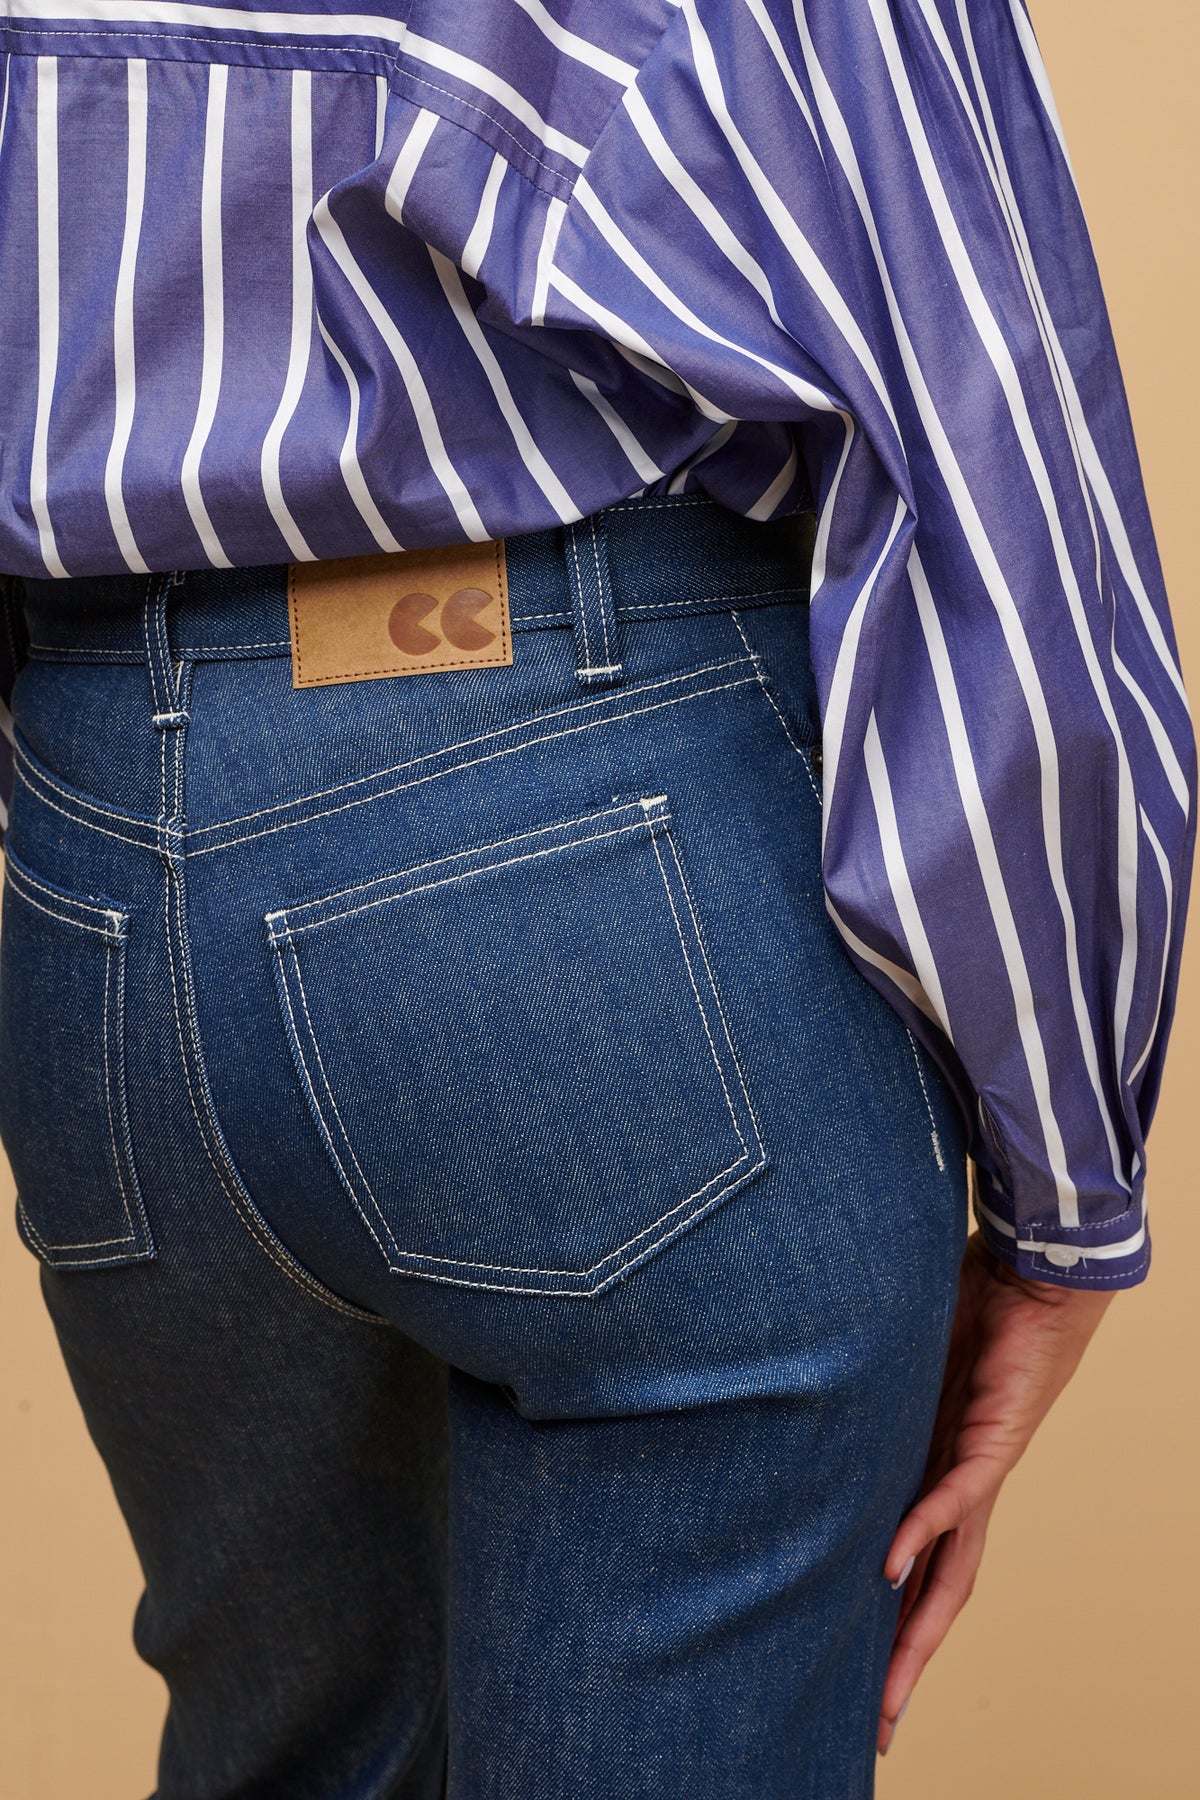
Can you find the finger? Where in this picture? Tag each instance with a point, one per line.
(970, 1485)
(887, 1731)
(947, 1588)
(913, 1585)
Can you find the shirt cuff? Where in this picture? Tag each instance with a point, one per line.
(1115, 1253)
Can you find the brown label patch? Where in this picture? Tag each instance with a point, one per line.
(363, 617)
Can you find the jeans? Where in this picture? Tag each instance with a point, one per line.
(504, 1251)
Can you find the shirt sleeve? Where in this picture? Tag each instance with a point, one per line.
(1009, 763)
(860, 214)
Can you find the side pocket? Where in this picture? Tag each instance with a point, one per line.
(63, 1115)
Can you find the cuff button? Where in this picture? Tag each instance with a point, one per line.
(1063, 1256)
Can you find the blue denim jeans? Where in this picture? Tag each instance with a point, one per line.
(504, 1251)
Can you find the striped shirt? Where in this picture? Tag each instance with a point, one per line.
(283, 283)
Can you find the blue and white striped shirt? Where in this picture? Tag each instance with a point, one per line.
(284, 284)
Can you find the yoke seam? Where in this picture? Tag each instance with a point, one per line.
(77, 805)
(483, 737)
(457, 767)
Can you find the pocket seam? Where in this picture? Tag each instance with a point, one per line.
(208, 1125)
(137, 1244)
(117, 921)
(748, 1164)
(325, 1131)
(288, 930)
(409, 1256)
(687, 894)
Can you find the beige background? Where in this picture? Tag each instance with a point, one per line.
(1073, 1672)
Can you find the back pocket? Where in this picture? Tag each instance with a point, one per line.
(517, 1056)
(63, 1114)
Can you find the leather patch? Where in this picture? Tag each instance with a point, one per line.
(362, 617)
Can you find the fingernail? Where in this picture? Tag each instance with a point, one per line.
(895, 1728)
(899, 1582)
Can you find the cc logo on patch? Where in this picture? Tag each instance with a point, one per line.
(459, 622)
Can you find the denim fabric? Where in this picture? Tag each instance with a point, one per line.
(504, 1250)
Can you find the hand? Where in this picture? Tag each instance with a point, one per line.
(1014, 1345)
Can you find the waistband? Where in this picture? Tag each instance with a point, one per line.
(662, 557)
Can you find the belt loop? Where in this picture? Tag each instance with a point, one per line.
(164, 680)
(597, 650)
